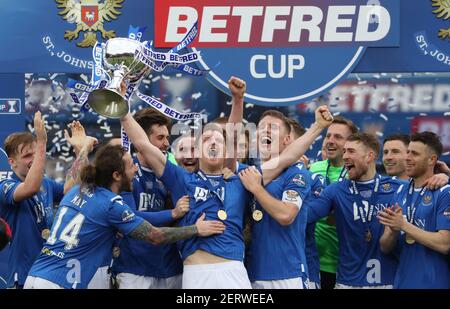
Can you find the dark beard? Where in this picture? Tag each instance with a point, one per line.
(125, 184)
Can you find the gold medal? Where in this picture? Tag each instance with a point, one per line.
(257, 215)
(409, 240)
(222, 214)
(45, 234)
(368, 236)
(116, 252)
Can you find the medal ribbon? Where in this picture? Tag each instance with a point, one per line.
(412, 207)
(366, 217)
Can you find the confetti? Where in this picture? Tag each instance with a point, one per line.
(195, 96)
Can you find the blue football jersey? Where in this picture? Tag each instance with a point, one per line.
(356, 206)
(312, 255)
(139, 257)
(27, 219)
(421, 267)
(82, 236)
(277, 252)
(209, 195)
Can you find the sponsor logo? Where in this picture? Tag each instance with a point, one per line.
(10, 106)
(279, 44)
(127, 215)
(201, 194)
(299, 180)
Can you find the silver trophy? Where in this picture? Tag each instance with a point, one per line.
(120, 63)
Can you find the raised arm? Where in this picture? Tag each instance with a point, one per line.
(165, 235)
(154, 158)
(274, 167)
(237, 87)
(32, 183)
(82, 146)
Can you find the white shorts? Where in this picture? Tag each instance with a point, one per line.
(39, 283)
(101, 279)
(130, 281)
(344, 286)
(314, 285)
(227, 275)
(293, 283)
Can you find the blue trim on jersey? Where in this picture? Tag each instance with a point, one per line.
(27, 222)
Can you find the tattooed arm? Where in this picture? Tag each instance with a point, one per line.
(73, 175)
(165, 235)
(82, 146)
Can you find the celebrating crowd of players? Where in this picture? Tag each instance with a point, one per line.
(205, 218)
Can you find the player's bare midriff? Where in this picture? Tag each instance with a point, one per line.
(203, 257)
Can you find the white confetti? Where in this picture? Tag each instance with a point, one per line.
(380, 134)
(165, 77)
(157, 78)
(195, 96)
(423, 114)
(394, 80)
(377, 76)
(384, 117)
(108, 135)
(249, 105)
(362, 82)
(446, 153)
(59, 167)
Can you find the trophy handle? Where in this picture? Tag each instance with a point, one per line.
(109, 102)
